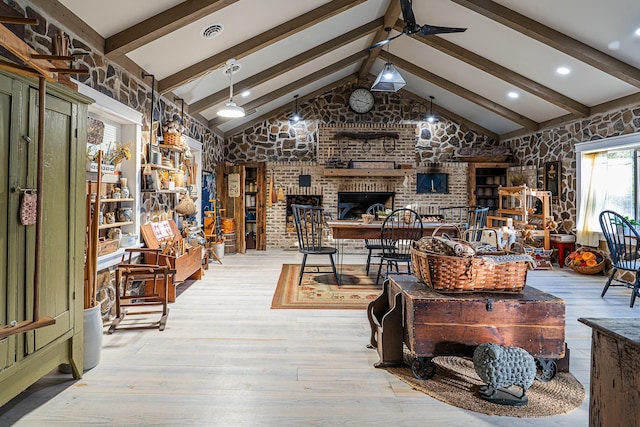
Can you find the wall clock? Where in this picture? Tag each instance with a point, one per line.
(361, 100)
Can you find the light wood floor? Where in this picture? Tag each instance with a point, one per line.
(227, 359)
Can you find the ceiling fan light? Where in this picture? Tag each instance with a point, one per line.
(388, 80)
(295, 117)
(232, 110)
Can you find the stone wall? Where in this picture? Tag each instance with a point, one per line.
(304, 146)
(276, 139)
(558, 143)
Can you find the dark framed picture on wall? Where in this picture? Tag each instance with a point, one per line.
(552, 176)
(432, 183)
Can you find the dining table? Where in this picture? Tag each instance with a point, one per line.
(358, 230)
(354, 229)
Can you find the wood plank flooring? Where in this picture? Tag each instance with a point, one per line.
(227, 359)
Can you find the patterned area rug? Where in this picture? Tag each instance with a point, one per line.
(457, 384)
(319, 290)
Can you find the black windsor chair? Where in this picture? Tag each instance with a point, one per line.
(310, 225)
(401, 228)
(623, 242)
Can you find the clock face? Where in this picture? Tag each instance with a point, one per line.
(361, 100)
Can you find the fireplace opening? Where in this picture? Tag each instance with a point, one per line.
(313, 200)
(353, 205)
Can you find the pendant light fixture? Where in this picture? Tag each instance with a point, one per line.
(295, 117)
(389, 79)
(431, 118)
(230, 109)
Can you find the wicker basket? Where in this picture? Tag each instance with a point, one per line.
(468, 274)
(595, 269)
(172, 138)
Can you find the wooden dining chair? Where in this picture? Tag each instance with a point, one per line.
(401, 228)
(623, 242)
(374, 246)
(310, 227)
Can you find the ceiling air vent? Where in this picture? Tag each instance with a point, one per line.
(212, 31)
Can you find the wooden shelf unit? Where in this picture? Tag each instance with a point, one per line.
(484, 180)
(525, 206)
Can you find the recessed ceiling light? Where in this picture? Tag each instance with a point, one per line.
(563, 71)
(212, 31)
(637, 32)
(245, 94)
(513, 95)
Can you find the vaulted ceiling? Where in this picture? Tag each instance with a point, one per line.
(287, 48)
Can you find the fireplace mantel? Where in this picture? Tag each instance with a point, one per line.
(365, 172)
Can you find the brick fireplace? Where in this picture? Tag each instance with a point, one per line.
(396, 189)
(351, 205)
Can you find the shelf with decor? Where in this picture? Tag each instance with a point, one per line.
(171, 147)
(114, 224)
(162, 167)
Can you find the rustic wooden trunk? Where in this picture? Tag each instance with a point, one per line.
(436, 324)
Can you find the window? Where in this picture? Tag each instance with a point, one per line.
(607, 179)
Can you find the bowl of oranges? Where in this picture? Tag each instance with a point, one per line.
(586, 261)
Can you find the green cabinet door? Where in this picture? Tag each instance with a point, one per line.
(7, 345)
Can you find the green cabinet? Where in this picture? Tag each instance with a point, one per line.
(27, 356)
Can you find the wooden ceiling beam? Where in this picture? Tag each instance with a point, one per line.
(449, 114)
(501, 72)
(554, 39)
(287, 65)
(74, 25)
(253, 44)
(390, 18)
(464, 93)
(160, 25)
(284, 108)
(293, 86)
(609, 106)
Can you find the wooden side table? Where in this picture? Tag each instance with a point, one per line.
(564, 249)
(615, 372)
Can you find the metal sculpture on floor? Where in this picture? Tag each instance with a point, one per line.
(501, 368)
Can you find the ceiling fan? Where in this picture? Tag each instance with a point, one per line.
(411, 27)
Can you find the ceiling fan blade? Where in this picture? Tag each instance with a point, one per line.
(429, 30)
(408, 17)
(383, 42)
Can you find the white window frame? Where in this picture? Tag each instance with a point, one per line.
(622, 142)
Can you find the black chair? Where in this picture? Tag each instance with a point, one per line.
(401, 228)
(374, 244)
(467, 218)
(623, 241)
(310, 224)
